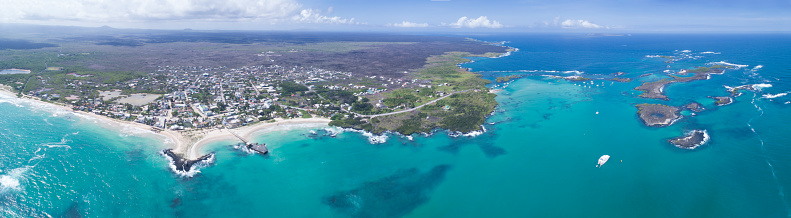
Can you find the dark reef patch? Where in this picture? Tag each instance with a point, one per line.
(393, 196)
(491, 151)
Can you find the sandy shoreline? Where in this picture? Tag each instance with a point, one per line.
(207, 136)
(190, 142)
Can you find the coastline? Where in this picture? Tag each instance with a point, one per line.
(188, 142)
(201, 138)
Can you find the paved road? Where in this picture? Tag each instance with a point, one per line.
(411, 109)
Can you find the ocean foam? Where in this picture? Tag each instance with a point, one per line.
(10, 181)
(761, 86)
(62, 144)
(728, 64)
(194, 170)
(685, 51)
(705, 139)
(709, 52)
(372, 138)
(770, 96)
(455, 134)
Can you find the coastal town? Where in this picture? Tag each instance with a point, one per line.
(205, 97)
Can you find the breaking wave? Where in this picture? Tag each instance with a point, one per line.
(534, 71)
(770, 96)
(761, 86)
(728, 64)
(11, 180)
(372, 138)
(194, 170)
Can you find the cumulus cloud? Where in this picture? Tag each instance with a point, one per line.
(315, 16)
(409, 24)
(573, 24)
(480, 22)
(146, 10)
(580, 24)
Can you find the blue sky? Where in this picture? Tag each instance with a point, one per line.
(412, 15)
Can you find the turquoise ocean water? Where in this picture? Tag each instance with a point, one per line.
(536, 158)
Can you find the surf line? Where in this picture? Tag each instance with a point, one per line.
(766, 156)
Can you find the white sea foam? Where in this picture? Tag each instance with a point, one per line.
(333, 131)
(194, 170)
(758, 67)
(63, 143)
(761, 86)
(728, 64)
(242, 147)
(573, 71)
(372, 138)
(704, 141)
(770, 96)
(709, 52)
(10, 181)
(685, 51)
(455, 134)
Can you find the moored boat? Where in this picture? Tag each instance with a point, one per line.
(603, 159)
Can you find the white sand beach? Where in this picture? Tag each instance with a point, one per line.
(190, 142)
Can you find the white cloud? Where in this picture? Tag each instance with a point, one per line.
(571, 24)
(272, 11)
(409, 24)
(315, 16)
(580, 24)
(481, 21)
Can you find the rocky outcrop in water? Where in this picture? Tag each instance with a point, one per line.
(657, 114)
(694, 107)
(183, 164)
(691, 140)
(721, 101)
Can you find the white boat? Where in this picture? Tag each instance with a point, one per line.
(597, 112)
(603, 159)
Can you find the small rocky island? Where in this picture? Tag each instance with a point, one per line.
(691, 140)
(623, 80)
(655, 89)
(721, 101)
(694, 107)
(657, 114)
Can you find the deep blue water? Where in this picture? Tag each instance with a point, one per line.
(536, 158)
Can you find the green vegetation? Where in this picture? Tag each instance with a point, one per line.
(401, 97)
(442, 69)
(289, 88)
(465, 112)
(507, 78)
